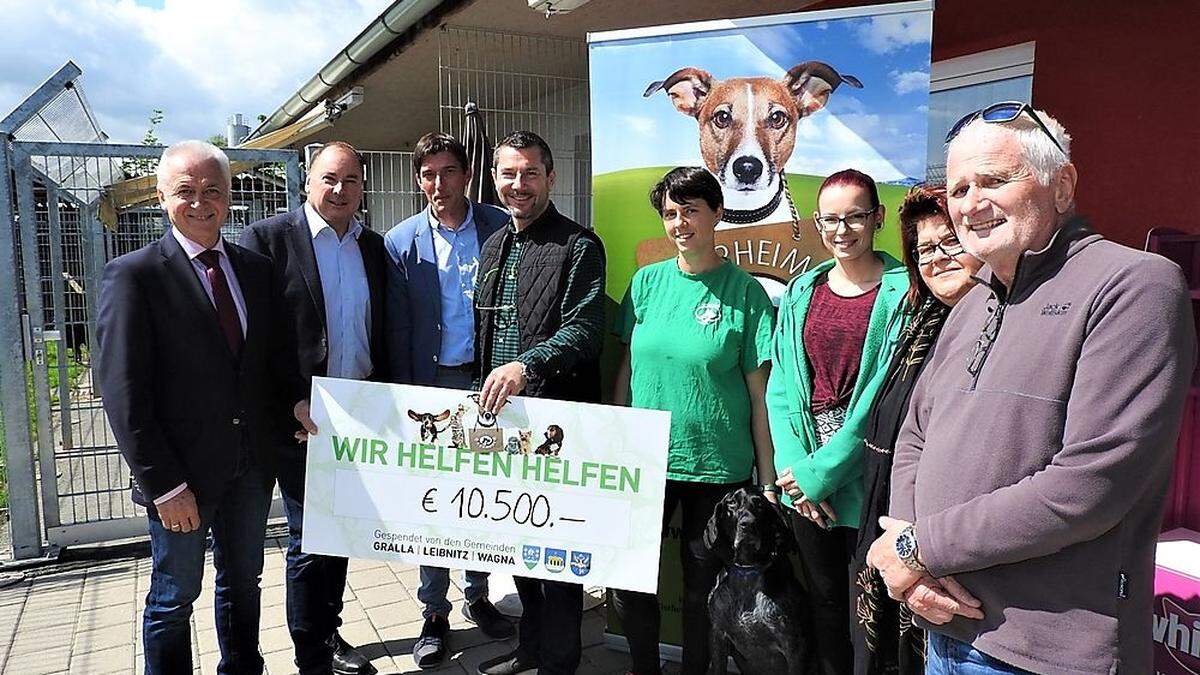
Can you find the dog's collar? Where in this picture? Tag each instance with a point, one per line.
(745, 217)
(744, 570)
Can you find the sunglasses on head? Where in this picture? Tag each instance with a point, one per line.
(1002, 113)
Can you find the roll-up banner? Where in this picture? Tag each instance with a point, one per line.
(770, 105)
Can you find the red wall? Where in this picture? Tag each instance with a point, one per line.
(1124, 77)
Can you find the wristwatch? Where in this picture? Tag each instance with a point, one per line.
(907, 551)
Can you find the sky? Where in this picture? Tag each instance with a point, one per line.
(200, 61)
(880, 129)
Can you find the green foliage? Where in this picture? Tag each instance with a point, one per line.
(144, 166)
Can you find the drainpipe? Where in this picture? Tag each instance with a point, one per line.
(393, 22)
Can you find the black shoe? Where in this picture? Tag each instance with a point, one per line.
(347, 660)
(430, 648)
(508, 664)
(484, 614)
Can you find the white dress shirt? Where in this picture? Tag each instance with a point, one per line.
(347, 297)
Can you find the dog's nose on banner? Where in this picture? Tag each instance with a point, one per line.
(747, 169)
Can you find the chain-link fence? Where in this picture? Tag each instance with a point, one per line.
(77, 206)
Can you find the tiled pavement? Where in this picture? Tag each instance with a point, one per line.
(86, 618)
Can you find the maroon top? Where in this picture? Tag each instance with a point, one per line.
(834, 332)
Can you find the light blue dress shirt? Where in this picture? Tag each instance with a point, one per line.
(457, 253)
(347, 298)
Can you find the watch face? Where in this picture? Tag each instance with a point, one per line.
(906, 545)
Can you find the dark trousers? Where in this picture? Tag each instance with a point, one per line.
(639, 612)
(315, 583)
(551, 618)
(825, 557)
(238, 522)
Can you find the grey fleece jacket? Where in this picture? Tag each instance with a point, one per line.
(1038, 480)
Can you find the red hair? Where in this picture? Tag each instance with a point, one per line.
(852, 178)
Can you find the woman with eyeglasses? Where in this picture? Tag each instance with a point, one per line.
(698, 330)
(940, 273)
(837, 324)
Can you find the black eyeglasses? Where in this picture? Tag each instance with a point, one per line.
(1002, 113)
(855, 221)
(926, 252)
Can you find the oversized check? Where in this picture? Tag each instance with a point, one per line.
(546, 489)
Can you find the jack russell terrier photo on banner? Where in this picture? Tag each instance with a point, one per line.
(770, 106)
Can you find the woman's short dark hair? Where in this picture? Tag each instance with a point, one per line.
(687, 182)
(921, 202)
(434, 143)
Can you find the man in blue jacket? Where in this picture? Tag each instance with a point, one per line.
(432, 259)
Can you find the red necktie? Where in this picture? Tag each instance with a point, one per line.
(227, 315)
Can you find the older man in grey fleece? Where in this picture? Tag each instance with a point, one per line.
(1031, 473)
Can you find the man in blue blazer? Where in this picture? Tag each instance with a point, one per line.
(194, 388)
(432, 260)
(333, 274)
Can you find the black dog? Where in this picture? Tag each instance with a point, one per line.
(756, 605)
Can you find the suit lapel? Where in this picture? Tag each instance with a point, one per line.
(427, 265)
(300, 241)
(251, 293)
(181, 271)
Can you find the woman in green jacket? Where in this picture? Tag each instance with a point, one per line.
(837, 326)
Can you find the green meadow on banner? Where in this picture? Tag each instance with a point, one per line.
(627, 224)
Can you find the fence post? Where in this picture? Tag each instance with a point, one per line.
(14, 399)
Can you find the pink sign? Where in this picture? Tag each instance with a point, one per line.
(1177, 604)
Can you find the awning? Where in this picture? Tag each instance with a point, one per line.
(142, 191)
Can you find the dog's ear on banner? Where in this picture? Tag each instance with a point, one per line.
(812, 83)
(445, 414)
(686, 88)
(415, 417)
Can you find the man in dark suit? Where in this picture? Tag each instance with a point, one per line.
(187, 344)
(432, 258)
(333, 272)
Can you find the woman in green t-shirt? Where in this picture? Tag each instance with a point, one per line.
(699, 335)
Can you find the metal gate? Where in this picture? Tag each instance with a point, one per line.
(78, 205)
(533, 82)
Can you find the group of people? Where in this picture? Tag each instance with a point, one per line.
(971, 445)
(207, 349)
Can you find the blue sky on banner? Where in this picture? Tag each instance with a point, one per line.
(199, 62)
(879, 129)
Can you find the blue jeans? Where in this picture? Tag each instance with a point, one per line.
(947, 656)
(435, 581)
(238, 522)
(315, 583)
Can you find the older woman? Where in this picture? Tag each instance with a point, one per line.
(699, 334)
(940, 274)
(837, 324)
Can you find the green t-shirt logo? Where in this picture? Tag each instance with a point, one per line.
(708, 313)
